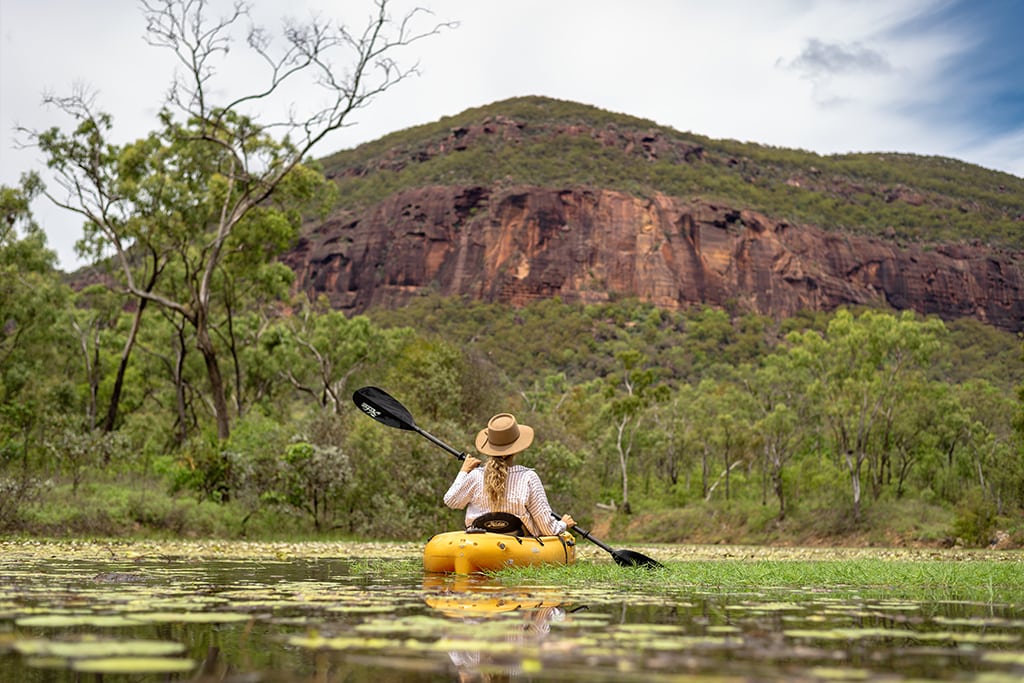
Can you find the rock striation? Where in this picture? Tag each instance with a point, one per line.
(520, 243)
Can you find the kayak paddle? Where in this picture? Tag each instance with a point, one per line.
(386, 409)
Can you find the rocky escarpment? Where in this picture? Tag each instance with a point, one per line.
(522, 243)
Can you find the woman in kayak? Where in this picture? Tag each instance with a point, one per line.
(501, 486)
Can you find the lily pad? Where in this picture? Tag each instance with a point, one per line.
(342, 643)
(1016, 658)
(72, 620)
(133, 665)
(191, 617)
(90, 648)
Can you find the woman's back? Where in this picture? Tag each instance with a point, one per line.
(502, 486)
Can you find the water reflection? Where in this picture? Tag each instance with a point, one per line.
(525, 615)
(330, 621)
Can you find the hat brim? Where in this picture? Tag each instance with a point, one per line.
(520, 444)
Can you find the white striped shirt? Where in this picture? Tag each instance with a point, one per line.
(524, 497)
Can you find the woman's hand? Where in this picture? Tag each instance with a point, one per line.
(569, 521)
(470, 463)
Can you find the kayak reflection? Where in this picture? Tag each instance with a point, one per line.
(513, 623)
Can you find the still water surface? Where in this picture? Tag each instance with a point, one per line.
(378, 620)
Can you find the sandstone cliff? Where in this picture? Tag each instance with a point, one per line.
(520, 243)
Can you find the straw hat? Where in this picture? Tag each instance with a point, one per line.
(504, 436)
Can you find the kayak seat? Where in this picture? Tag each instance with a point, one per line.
(498, 523)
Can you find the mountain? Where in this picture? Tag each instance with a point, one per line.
(534, 197)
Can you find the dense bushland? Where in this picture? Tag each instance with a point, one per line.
(869, 426)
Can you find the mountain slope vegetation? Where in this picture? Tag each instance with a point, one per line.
(546, 142)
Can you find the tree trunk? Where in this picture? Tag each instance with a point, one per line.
(110, 421)
(217, 393)
(725, 461)
(775, 462)
(853, 463)
(623, 460)
(704, 472)
(179, 390)
(779, 494)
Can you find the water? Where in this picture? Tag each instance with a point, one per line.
(382, 620)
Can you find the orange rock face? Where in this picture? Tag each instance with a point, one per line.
(523, 243)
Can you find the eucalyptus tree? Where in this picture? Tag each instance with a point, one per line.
(164, 344)
(679, 444)
(782, 416)
(328, 347)
(220, 187)
(35, 343)
(858, 369)
(96, 314)
(629, 392)
(546, 394)
(994, 449)
(30, 296)
(729, 433)
(925, 436)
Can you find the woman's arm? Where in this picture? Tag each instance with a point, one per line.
(540, 510)
(461, 492)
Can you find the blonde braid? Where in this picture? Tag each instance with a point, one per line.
(495, 478)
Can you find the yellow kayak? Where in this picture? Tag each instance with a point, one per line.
(467, 552)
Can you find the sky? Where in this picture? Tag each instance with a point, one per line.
(931, 77)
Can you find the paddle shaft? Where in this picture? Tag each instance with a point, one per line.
(623, 558)
(437, 442)
(586, 534)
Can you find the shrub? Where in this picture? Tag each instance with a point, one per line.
(975, 518)
(15, 494)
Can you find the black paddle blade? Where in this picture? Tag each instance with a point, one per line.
(631, 558)
(623, 558)
(383, 407)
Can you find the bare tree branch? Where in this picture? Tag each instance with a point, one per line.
(221, 160)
